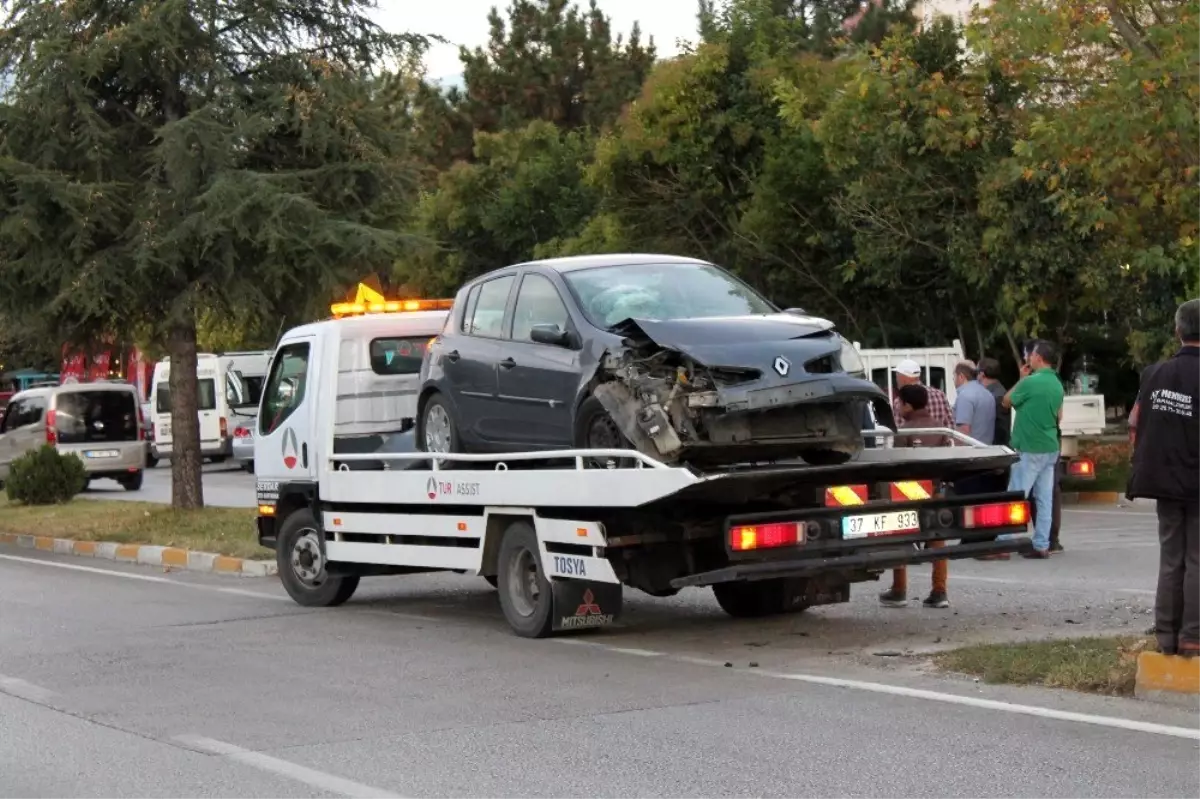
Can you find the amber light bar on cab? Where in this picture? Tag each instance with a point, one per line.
(341, 309)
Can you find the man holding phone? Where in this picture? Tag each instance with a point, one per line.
(1038, 400)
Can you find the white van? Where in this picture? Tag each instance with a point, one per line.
(215, 400)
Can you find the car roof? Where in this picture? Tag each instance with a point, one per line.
(73, 388)
(574, 263)
(376, 323)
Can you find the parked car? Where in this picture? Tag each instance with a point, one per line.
(99, 422)
(672, 356)
(243, 441)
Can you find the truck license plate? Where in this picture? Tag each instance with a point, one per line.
(101, 453)
(873, 524)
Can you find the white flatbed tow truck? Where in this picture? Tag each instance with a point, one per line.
(560, 539)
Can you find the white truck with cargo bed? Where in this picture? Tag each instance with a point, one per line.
(343, 493)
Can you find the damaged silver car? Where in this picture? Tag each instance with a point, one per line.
(674, 357)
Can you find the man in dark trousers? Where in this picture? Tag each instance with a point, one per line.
(1166, 468)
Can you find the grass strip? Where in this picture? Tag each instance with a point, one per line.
(1105, 665)
(225, 531)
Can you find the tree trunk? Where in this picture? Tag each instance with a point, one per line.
(187, 488)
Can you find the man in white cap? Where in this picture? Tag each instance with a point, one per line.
(908, 373)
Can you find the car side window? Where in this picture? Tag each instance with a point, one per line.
(469, 310)
(285, 387)
(538, 303)
(11, 416)
(487, 317)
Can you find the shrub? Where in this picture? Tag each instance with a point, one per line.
(44, 477)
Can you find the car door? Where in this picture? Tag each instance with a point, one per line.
(471, 358)
(284, 449)
(538, 381)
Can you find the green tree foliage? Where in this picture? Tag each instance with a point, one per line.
(524, 188)
(163, 157)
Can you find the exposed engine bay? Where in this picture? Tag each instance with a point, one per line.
(775, 401)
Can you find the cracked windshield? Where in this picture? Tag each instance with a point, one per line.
(599, 398)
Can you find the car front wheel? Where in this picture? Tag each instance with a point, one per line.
(595, 429)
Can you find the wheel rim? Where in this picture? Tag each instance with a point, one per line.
(307, 562)
(603, 434)
(437, 431)
(524, 586)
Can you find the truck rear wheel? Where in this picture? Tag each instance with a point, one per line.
(760, 598)
(525, 594)
(302, 565)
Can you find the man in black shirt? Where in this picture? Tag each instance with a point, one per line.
(1166, 468)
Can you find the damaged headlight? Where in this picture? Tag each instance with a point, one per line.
(852, 362)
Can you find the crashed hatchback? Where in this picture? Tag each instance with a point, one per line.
(674, 357)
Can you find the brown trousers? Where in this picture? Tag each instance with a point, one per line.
(1177, 603)
(941, 571)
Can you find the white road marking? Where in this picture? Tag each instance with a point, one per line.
(935, 696)
(15, 686)
(147, 578)
(317, 779)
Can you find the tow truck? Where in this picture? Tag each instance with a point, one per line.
(343, 493)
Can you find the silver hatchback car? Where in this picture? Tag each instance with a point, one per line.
(98, 422)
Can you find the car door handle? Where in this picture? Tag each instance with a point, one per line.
(507, 363)
(452, 356)
(304, 455)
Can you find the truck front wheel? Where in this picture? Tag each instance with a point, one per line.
(302, 564)
(525, 594)
(760, 598)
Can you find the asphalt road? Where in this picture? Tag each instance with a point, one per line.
(225, 484)
(118, 680)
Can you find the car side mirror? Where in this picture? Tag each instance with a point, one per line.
(549, 334)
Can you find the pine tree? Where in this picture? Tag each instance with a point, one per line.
(163, 157)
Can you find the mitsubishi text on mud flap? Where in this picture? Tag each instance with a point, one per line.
(343, 494)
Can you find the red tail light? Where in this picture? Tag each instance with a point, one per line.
(764, 536)
(224, 427)
(51, 426)
(1000, 514)
(1082, 467)
(241, 432)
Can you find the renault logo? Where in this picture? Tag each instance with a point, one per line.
(782, 365)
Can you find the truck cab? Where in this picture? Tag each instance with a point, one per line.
(374, 359)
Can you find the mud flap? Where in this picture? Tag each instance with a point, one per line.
(583, 604)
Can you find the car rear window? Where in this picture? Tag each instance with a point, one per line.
(84, 417)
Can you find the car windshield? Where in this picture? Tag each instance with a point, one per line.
(611, 294)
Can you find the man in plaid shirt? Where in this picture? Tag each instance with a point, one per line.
(908, 372)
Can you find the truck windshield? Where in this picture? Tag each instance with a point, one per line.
(611, 294)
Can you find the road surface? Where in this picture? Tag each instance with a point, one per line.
(119, 680)
(225, 485)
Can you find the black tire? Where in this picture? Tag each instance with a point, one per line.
(521, 574)
(756, 599)
(151, 461)
(492, 580)
(248, 467)
(595, 429)
(308, 583)
(435, 403)
(134, 481)
(217, 459)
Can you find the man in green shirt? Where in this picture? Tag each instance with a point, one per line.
(1038, 401)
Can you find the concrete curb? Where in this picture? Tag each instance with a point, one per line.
(146, 555)
(1167, 678)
